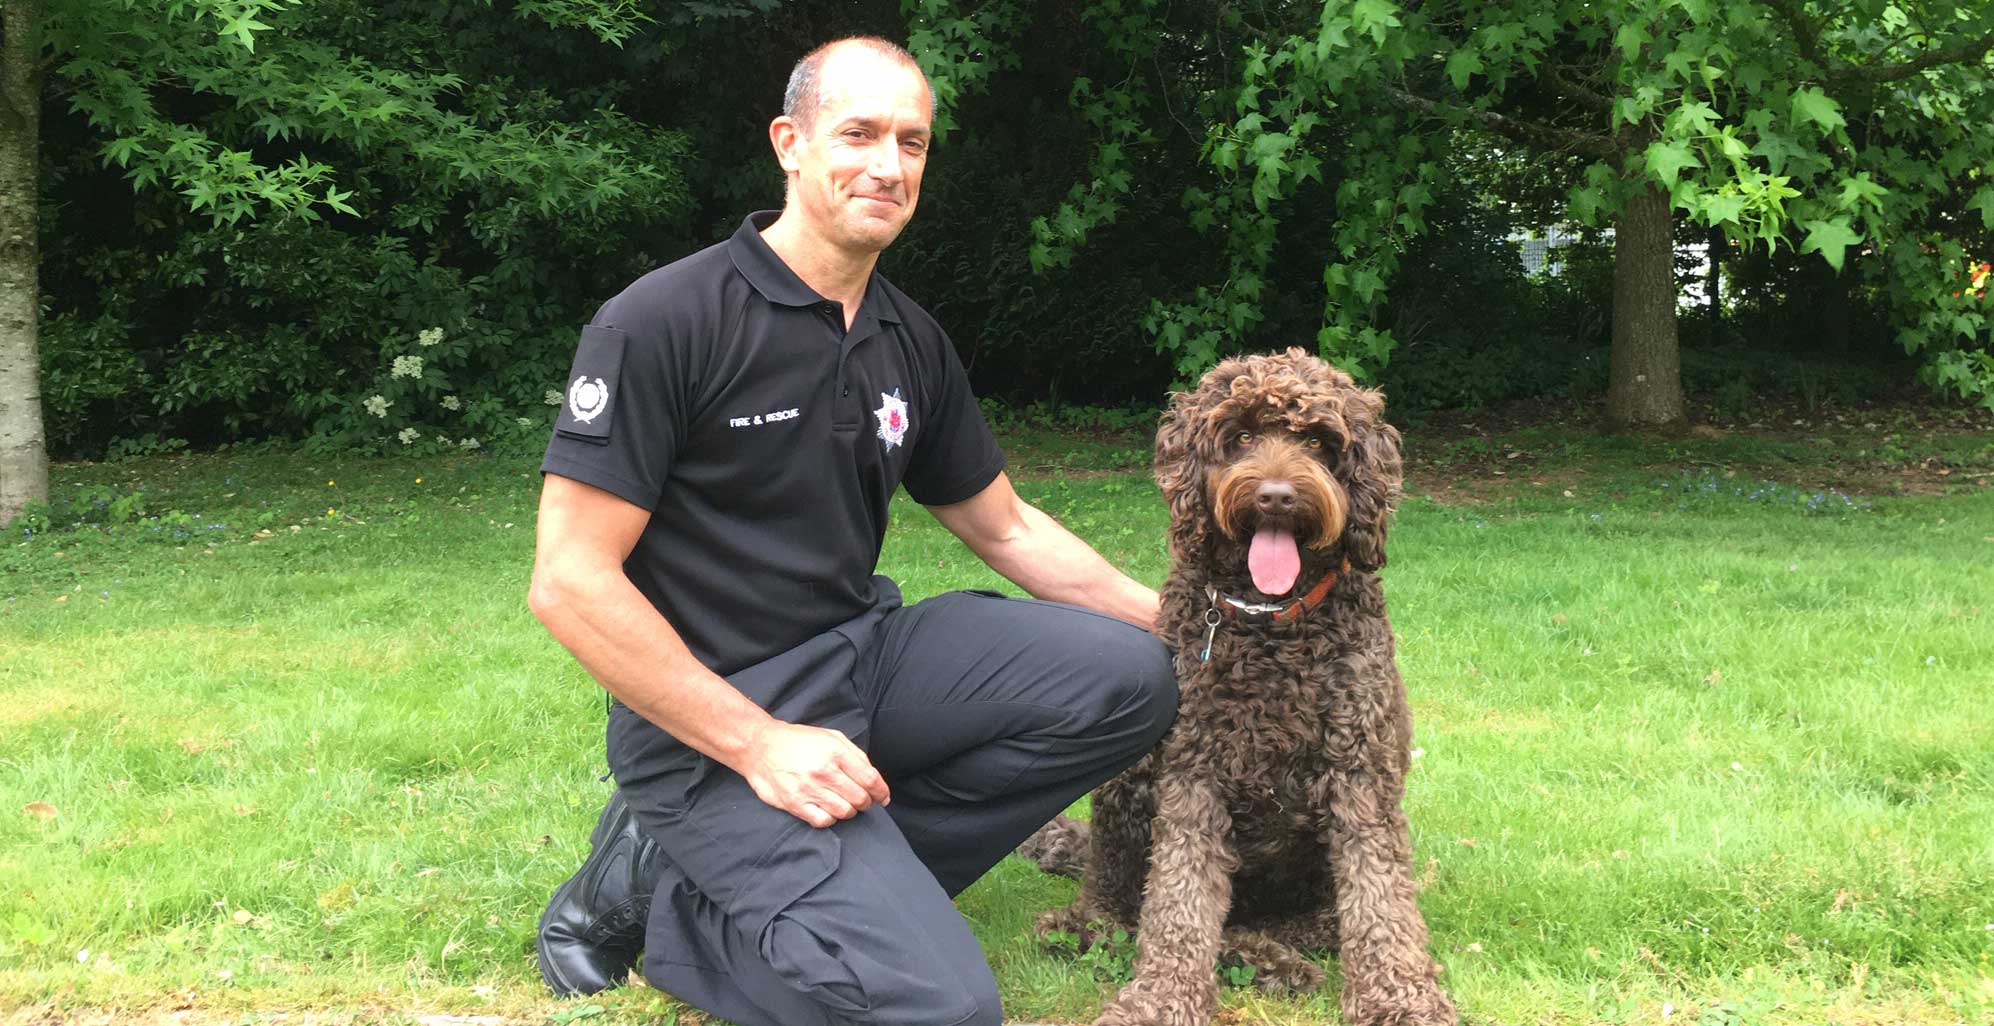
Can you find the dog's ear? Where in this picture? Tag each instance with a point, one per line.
(1375, 479)
(1180, 474)
(1184, 449)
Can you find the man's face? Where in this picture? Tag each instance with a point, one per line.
(855, 168)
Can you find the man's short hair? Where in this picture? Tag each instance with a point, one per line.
(803, 96)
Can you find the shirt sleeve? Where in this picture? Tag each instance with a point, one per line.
(956, 455)
(622, 412)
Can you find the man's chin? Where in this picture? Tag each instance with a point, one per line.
(874, 233)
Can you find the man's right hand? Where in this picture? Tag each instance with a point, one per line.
(814, 774)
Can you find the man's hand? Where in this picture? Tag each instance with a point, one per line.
(814, 774)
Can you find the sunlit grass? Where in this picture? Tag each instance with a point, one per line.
(1726, 757)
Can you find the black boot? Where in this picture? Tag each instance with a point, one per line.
(593, 929)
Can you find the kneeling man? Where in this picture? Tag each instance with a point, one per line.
(808, 770)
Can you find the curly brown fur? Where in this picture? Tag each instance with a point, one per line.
(1269, 821)
(1059, 847)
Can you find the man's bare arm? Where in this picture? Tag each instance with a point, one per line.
(581, 594)
(1038, 555)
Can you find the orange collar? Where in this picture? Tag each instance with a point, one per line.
(1234, 609)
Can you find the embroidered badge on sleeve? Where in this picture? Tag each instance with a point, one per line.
(592, 384)
(892, 414)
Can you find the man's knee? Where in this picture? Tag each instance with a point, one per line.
(1144, 683)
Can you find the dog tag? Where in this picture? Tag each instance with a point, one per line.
(1211, 628)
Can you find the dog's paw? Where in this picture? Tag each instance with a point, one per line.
(1149, 1003)
(1295, 977)
(1065, 927)
(1432, 1008)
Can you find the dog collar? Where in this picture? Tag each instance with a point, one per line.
(1225, 607)
(1278, 612)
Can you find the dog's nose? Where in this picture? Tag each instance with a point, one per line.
(1275, 497)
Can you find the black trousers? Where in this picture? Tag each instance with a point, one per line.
(986, 715)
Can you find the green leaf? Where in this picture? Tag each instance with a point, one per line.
(1723, 207)
(1860, 189)
(1811, 104)
(1667, 159)
(1585, 203)
(1631, 37)
(1463, 65)
(1830, 238)
(1693, 118)
(1374, 17)
(1983, 201)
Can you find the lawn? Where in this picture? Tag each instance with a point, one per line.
(1698, 738)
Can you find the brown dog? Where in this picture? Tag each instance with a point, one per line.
(1268, 822)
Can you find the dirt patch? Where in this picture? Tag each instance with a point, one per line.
(1904, 447)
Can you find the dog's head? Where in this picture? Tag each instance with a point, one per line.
(1279, 466)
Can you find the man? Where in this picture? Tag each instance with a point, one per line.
(809, 771)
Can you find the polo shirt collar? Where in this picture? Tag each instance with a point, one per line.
(778, 284)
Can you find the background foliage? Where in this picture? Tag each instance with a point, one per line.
(402, 212)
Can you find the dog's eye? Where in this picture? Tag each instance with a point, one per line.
(1315, 443)
(1244, 438)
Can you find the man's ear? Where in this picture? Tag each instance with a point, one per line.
(786, 137)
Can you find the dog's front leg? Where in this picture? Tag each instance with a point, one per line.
(1183, 908)
(1388, 977)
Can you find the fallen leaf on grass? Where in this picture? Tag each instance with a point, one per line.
(1715, 676)
(39, 810)
(243, 916)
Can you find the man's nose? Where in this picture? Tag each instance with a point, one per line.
(885, 163)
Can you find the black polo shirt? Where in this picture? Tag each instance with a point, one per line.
(724, 395)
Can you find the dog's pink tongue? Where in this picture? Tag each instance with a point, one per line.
(1274, 561)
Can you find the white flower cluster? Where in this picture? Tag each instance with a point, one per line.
(450, 402)
(552, 398)
(429, 337)
(525, 422)
(407, 367)
(468, 443)
(408, 435)
(378, 405)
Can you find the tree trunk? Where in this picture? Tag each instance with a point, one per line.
(1644, 387)
(23, 445)
(1714, 280)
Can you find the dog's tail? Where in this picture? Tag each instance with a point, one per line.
(1059, 847)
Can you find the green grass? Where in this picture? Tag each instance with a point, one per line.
(1691, 747)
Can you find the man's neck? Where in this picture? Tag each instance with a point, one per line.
(834, 273)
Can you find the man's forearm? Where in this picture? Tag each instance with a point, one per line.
(635, 654)
(1050, 562)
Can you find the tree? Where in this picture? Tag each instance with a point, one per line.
(1848, 130)
(251, 112)
(23, 449)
